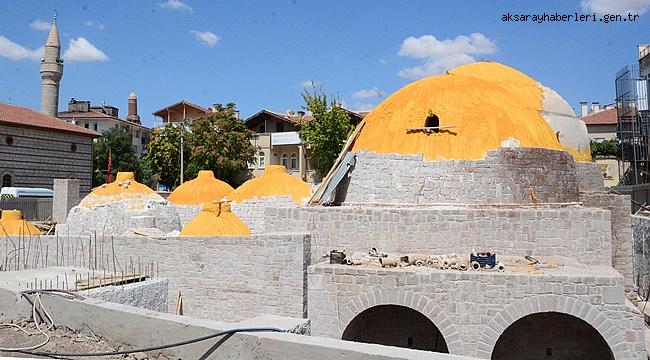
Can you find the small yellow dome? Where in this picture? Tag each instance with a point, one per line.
(124, 188)
(215, 219)
(12, 223)
(479, 107)
(274, 182)
(205, 188)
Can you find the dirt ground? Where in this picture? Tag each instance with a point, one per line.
(62, 339)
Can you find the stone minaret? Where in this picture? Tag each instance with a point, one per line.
(133, 109)
(51, 72)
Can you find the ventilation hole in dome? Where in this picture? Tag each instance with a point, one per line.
(432, 121)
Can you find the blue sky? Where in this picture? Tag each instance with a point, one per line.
(259, 54)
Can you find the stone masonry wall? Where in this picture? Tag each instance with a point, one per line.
(641, 236)
(251, 212)
(37, 157)
(574, 231)
(589, 177)
(505, 176)
(621, 229)
(472, 309)
(228, 278)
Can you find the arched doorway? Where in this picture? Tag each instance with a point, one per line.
(551, 335)
(395, 325)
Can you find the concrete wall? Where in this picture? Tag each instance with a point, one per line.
(621, 229)
(228, 278)
(505, 176)
(574, 231)
(37, 157)
(641, 236)
(472, 309)
(66, 195)
(132, 327)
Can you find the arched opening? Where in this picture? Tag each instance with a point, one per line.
(395, 325)
(6, 180)
(433, 122)
(551, 335)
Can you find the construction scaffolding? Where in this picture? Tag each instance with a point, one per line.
(632, 87)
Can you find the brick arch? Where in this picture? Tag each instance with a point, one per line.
(420, 303)
(550, 303)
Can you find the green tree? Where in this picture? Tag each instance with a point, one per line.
(123, 159)
(220, 142)
(605, 148)
(326, 134)
(163, 153)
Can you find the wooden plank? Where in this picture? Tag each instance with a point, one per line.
(108, 280)
(316, 198)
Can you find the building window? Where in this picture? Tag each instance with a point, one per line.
(116, 126)
(261, 159)
(279, 127)
(95, 126)
(262, 129)
(137, 134)
(6, 180)
(73, 147)
(86, 126)
(284, 160)
(9, 140)
(294, 161)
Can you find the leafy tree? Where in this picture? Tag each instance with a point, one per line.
(326, 134)
(123, 158)
(163, 153)
(605, 148)
(220, 142)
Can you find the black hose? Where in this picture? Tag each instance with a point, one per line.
(158, 347)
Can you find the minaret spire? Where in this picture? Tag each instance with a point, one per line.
(51, 72)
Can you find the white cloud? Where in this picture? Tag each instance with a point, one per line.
(80, 49)
(206, 38)
(40, 25)
(441, 55)
(95, 24)
(13, 51)
(177, 5)
(623, 7)
(382, 61)
(368, 93)
(309, 84)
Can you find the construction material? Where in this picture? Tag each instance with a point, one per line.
(337, 257)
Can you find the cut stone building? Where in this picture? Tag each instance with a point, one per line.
(35, 149)
(504, 168)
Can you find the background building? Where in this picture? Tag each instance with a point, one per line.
(182, 110)
(602, 125)
(105, 117)
(35, 149)
(279, 143)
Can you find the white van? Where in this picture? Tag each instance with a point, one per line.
(18, 192)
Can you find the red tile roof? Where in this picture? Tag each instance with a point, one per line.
(21, 116)
(604, 117)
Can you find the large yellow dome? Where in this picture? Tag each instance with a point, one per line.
(204, 188)
(274, 182)
(215, 219)
(123, 189)
(479, 107)
(12, 223)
